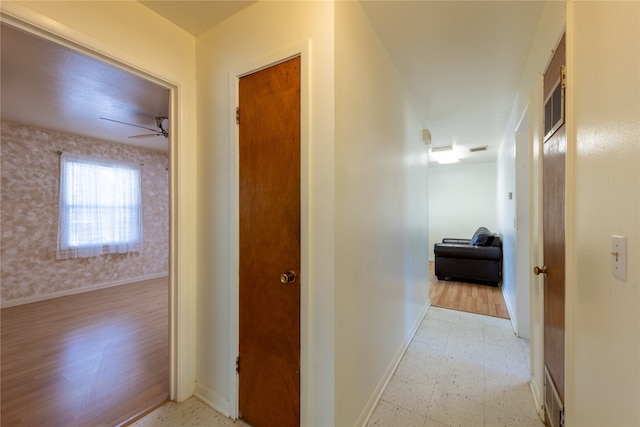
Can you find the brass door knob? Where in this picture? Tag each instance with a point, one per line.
(288, 277)
(540, 270)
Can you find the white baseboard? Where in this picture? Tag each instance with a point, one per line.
(368, 409)
(512, 317)
(213, 399)
(537, 399)
(66, 292)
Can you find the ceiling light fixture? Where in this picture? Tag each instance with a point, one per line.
(444, 155)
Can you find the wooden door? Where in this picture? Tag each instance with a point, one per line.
(269, 184)
(554, 233)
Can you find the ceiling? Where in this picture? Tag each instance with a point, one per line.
(461, 60)
(196, 16)
(52, 87)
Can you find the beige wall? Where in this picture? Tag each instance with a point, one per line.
(256, 37)
(129, 34)
(29, 218)
(603, 190)
(381, 232)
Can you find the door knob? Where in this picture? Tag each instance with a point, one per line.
(540, 270)
(288, 277)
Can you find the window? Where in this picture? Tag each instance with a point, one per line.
(100, 207)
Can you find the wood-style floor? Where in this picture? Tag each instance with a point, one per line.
(97, 358)
(469, 297)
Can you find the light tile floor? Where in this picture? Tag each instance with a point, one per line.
(190, 413)
(461, 369)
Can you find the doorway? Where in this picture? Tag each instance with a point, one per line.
(160, 171)
(524, 160)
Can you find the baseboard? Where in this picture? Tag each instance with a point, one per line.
(512, 317)
(213, 399)
(368, 409)
(537, 399)
(67, 292)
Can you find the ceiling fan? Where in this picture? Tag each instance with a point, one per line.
(161, 122)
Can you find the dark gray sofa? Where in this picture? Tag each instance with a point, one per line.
(478, 259)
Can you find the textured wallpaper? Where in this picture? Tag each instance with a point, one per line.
(29, 172)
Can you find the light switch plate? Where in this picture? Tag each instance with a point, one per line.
(619, 257)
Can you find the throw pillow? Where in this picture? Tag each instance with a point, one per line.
(482, 237)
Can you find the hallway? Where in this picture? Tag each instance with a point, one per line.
(461, 369)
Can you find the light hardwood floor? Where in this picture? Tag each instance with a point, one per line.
(469, 297)
(97, 358)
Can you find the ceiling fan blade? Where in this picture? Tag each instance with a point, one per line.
(146, 135)
(129, 124)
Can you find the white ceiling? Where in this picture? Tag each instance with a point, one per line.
(462, 61)
(52, 87)
(196, 16)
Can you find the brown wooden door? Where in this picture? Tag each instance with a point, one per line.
(554, 224)
(269, 324)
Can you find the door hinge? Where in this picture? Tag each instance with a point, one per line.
(562, 417)
(237, 115)
(563, 76)
(238, 364)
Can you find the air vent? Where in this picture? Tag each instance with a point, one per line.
(554, 108)
(476, 149)
(553, 404)
(442, 148)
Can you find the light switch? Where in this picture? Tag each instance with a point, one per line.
(619, 257)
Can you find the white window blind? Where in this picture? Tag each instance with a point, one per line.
(100, 207)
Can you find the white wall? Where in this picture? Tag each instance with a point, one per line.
(520, 287)
(462, 197)
(130, 34)
(506, 212)
(381, 284)
(255, 37)
(521, 313)
(603, 191)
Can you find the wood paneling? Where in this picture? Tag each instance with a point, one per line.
(470, 297)
(552, 75)
(92, 359)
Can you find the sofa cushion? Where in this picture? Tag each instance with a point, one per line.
(482, 237)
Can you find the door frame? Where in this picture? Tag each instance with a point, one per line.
(523, 153)
(301, 49)
(35, 24)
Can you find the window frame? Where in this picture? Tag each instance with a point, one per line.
(100, 207)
